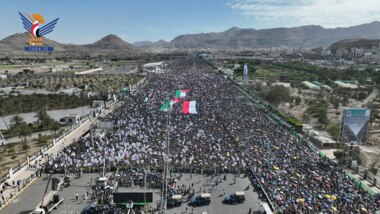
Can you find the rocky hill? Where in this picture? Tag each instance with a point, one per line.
(305, 36)
(111, 44)
(356, 43)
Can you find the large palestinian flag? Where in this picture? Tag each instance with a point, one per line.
(189, 107)
(181, 93)
(169, 103)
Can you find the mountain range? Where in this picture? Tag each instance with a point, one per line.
(233, 38)
(305, 36)
(152, 45)
(111, 44)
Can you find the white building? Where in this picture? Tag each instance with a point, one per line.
(285, 84)
(71, 119)
(311, 85)
(346, 85)
(156, 67)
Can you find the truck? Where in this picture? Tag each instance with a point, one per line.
(201, 200)
(174, 201)
(53, 204)
(235, 198)
(101, 182)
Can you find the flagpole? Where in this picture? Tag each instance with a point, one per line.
(166, 163)
(104, 163)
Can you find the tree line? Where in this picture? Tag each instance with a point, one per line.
(17, 104)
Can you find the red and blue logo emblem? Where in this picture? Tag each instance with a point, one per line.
(35, 25)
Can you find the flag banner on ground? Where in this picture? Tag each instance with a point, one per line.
(181, 93)
(189, 107)
(169, 103)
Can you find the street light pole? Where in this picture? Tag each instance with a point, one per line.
(166, 164)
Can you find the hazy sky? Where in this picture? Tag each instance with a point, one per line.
(85, 21)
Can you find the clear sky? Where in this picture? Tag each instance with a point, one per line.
(85, 21)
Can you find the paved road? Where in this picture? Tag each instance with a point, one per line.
(55, 114)
(204, 183)
(28, 200)
(369, 99)
(31, 197)
(69, 139)
(80, 186)
(201, 183)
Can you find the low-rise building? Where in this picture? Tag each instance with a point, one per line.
(311, 85)
(98, 104)
(71, 119)
(285, 84)
(156, 67)
(346, 85)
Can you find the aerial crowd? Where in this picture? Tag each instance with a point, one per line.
(227, 135)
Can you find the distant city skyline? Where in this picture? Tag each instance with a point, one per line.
(83, 22)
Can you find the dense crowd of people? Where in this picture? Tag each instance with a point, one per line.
(227, 135)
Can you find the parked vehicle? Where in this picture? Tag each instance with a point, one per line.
(201, 200)
(235, 198)
(174, 201)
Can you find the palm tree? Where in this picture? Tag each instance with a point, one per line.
(24, 131)
(55, 127)
(16, 121)
(44, 118)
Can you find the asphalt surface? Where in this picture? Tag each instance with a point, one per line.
(78, 185)
(201, 183)
(120, 71)
(55, 114)
(28, 200)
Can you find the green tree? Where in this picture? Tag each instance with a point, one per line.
(24, 131)
(298, 100)
(362, 95)
(278, 94)
(345, 101)
(338, 154)
(11, 150)
(42, 139)
(55, 127)
(16, 121)
(333, 130)
(335, 102)
(25, 147)
(318, 110)
(44, 119)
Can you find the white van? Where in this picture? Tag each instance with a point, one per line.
(101, 182)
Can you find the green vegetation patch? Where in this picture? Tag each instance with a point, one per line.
(31, 103)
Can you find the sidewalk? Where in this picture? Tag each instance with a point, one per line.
(28, 175)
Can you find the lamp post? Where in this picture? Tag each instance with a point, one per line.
(166, 164)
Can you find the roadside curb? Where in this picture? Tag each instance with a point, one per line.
(19, 193)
